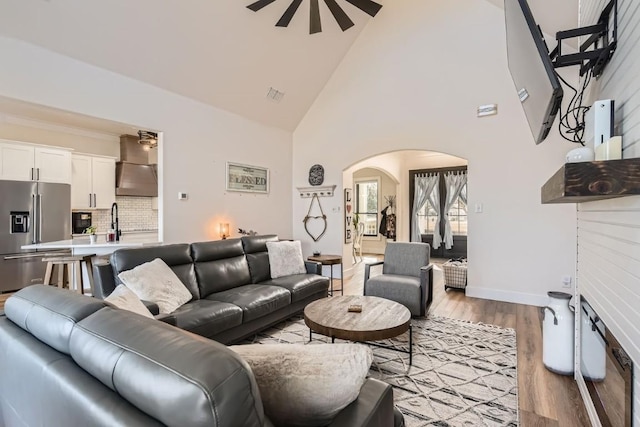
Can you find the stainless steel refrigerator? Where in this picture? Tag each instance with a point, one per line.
(32, 212)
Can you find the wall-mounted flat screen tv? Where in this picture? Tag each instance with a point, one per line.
(531, 68)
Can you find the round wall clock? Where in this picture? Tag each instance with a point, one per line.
(316, 175)
(368, 6)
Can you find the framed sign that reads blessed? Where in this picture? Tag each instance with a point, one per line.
(252, 179)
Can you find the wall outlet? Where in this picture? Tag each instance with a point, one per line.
(478, 208)
(183, 196)
(566, 281)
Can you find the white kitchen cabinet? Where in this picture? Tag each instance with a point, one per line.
(29, 162)
(93, 184)
(52, 165)
(16, 161)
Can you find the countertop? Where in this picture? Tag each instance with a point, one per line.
(124, 232)
(84, 243)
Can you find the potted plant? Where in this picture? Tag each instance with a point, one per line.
(91, 231)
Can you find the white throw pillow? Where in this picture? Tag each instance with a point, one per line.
(306, 385)
(285, 258)
(122, 297)
(154, 281)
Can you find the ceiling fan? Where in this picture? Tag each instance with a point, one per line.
(368, 6)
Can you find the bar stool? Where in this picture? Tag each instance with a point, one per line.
(70, 271)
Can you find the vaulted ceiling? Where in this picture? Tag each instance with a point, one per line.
(215, 51)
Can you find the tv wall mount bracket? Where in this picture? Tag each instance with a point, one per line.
(596, 51)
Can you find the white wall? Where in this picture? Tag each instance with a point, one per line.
(413, 80)
(609, 231)
(197, 141)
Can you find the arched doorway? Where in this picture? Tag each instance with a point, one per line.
(393, 169)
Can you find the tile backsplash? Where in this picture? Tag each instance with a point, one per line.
(134, 213)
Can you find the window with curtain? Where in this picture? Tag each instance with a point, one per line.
(367, 205)
(441, 220)
(458, 214)
(427, 217)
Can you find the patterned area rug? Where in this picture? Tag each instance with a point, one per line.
(463, 374)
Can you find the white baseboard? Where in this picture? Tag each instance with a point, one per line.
(348, 272)
(507, 296)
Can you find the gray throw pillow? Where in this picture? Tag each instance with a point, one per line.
(285, 258)
(306, 385)
(154, 281)
(123, 298)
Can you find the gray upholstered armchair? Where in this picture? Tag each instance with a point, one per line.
(407, 276)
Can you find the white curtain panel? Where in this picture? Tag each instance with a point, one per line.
(463, 195)
(424, 187)
(434, 198)
(454, 181)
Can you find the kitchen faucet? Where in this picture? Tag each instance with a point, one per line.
(114, 224)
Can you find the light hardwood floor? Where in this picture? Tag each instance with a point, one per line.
(545, 399)
(3, 298)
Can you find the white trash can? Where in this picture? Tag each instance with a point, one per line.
(558, 334)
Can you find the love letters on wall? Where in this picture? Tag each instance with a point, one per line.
(348, 215)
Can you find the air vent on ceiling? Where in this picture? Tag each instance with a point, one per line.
(487, 110)
(275, 95)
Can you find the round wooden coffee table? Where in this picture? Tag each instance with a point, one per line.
(380, 319)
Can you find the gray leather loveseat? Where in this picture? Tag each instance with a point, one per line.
(72, 360)
(233, 293)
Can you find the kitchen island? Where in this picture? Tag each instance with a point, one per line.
(82, 245)
(101, 249)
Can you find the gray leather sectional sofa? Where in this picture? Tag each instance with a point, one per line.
(234, 295)
(72, 360)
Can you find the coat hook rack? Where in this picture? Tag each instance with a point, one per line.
(318, 190)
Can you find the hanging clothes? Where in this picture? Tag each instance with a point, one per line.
(391, 226)
(383, 222)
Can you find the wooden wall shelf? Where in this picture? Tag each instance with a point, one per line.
(590, 181)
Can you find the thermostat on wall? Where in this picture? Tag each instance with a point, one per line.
(183, 196)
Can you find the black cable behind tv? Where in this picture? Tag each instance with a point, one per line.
(534, 70)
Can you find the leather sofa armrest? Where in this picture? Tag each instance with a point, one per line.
(166, 318)
(313, 267)
(152, 307)
(104, 281)
(372, 408)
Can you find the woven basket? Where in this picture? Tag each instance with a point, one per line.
(455, 274)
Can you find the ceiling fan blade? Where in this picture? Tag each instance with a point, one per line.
(259, 4)
(288, 14)
(314, 18)
(367, 6)
(341, 17)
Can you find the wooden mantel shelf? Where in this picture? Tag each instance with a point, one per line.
(590, 181)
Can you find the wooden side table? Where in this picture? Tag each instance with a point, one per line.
(331, 260)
